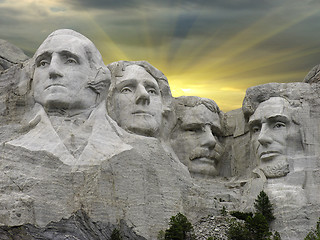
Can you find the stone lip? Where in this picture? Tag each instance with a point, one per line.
(77, 226)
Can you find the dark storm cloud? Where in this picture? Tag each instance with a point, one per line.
(127, 4)
(184, 24)
(172, 24)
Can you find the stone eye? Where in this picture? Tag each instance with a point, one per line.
(279, 125)
(193, 129)
(126, 90)
(152, 91)
(255, 129)
(43, 63)
(71, 61)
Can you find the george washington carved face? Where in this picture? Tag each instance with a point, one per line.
(61, 75)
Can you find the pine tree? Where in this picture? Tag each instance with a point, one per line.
(263, 205)
(180, 228)
(314, 234)
(115, 235)
(258, 227)
(276, 236)
(255, 226)
(238, 231)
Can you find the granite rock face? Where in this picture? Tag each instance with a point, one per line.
(78, 226)
(313, 75)
(283, 122)
(87, 147)
(61, 151)
(212, 226)
(10, 55)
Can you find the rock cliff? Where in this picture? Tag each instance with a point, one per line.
(87, 148)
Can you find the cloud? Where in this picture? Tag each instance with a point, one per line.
(207, 45)
(57, 9)
(186, 4)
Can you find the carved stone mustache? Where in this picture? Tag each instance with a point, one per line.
(203, 153)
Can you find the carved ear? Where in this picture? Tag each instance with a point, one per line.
(25, 79)
(117, 68)
(166, 111)
(101, 81)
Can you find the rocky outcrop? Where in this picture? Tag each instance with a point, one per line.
(113, 143)
(77, 226)
(10, 55)
(212, 226)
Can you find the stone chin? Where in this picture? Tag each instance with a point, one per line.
(140, 123)
(143, 129)
(276, 170)
(203, 167)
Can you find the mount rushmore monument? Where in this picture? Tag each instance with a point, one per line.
(111, 141)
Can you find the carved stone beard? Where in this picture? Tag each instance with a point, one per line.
(276, 170)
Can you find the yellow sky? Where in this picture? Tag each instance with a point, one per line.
(213, 51)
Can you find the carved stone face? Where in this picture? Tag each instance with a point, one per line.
(274, 135)
(61, 74)
(195, 139)
(137, 102)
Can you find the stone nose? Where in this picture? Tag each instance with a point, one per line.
(142, 96)
(264, 137)
(208, 140)
(55, 67)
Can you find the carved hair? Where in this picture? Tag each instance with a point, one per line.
(261, 93)
(192, 101)
(180, 104)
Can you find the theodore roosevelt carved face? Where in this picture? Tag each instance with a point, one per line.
(275, 135)
(196, 136)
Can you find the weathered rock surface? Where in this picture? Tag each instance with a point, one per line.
(77, 226)
(212, 226)
(10, 55)
(130, 156)
(143, 188)
(286, 153)
(313, 76)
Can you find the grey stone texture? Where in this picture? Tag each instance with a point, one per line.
(10, 55)
(212, 226)
(77, 226)
(88, 147)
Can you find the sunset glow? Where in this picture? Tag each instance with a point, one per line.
(205, 48)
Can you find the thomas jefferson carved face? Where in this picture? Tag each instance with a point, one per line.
(195, 139)
(61, 75)
(274, 135)
(137, 101)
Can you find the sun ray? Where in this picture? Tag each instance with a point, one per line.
(248, 65)
(147, 36)
(108, 47)
(254, 35)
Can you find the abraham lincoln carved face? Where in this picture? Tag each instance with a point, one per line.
(274, 135)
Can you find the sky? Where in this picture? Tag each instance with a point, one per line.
(208, 48)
